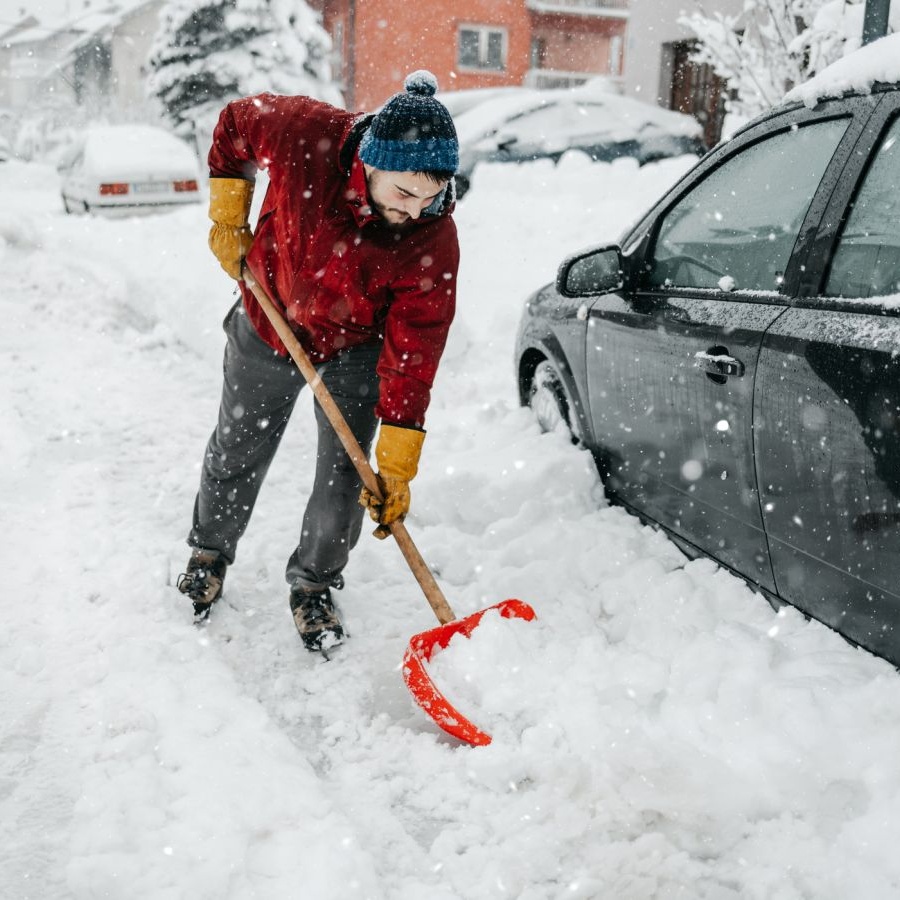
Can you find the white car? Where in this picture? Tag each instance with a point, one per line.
(128, 169)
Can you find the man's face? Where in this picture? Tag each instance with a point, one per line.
(401, 197)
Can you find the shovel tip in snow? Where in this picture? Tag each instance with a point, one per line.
(422, 648)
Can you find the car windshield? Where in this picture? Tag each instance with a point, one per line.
(488, 117)
(558, 125)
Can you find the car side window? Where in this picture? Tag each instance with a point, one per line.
(737, 228)
(866, 262)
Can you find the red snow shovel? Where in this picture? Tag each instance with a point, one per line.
(422, 646)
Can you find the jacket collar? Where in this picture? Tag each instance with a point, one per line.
(357, 195)
(350, 143)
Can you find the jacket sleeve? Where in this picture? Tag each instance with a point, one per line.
(415, 332)
(254, 131)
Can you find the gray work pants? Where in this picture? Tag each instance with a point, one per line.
(260, 389)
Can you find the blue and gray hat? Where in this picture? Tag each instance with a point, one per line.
(413, 132)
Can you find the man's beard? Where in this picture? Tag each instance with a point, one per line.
(400, 227)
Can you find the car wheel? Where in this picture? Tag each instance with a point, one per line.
(549, 402)
(462, 186)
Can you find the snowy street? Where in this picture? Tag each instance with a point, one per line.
(659, 731)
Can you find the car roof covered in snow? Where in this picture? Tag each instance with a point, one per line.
(858, 72)
(122, 150)
(620, 115)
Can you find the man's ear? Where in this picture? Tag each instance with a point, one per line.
(447, 195)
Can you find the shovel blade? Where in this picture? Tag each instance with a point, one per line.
(422, 648)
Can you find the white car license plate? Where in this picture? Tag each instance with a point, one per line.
(150, 187)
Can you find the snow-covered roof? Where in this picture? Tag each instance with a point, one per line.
(858, 72)
(34, 33)
(80, 26)
(11, 29)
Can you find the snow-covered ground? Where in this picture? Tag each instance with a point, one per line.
(659, 731)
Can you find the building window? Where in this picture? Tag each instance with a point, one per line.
(482, 47)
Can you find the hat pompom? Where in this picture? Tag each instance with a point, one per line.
(421, 82)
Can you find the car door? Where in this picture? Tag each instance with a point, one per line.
(672, 363)
(828, 408)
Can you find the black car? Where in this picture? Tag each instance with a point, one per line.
(734, 362)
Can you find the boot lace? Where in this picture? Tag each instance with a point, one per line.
(316, 611)
(194, 582)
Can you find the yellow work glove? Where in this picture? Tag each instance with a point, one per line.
(397, 454)
(230, 237)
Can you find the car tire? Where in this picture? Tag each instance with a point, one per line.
(549, 401)
(462, 186)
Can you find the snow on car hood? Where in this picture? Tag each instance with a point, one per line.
(858, 71)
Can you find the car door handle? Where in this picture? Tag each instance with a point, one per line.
(717, 361)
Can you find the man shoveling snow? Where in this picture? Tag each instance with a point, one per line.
(356, 244)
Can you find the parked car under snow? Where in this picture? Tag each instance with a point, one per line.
(128, 169)
(733, 363)
(521, 124)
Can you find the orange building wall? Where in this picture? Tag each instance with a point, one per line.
(577, 44)
(384, 40)
(395, 37)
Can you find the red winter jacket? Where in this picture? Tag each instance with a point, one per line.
(341, 276)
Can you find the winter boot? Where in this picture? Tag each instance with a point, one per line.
(316, 619)
(203, 580)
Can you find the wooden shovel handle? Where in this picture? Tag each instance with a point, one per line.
(417, 565)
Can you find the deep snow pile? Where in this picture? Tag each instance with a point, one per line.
(659, 731)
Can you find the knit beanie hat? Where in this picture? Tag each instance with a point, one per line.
(413, 132)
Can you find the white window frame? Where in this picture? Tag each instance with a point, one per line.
(483, 31)
(616, 46)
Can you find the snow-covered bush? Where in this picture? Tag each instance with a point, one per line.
(773, 45)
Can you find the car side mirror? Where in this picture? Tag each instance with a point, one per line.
(597, 272)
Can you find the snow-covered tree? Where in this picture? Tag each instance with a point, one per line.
(208, 52)
(772, 45)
